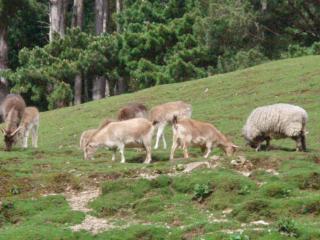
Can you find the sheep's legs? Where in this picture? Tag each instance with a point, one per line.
(300, 142)
(159, 135)
(303, 142)
(268, 143)
(121, 150)
(258, 148)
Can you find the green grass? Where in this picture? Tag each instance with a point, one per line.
(165, 208)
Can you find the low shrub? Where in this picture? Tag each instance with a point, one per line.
(201, 191)
(288, 227)
(276, 190)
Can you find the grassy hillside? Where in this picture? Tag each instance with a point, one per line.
(167, 207)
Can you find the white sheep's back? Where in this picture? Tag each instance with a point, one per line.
(277, 120)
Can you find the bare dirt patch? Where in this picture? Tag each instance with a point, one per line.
(92, 224)
(242, 166)
(79, 200)
(247, 167)
(181, 169)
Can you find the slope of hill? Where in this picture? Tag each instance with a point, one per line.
(157, 201)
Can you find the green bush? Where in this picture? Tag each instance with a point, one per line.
(310, 181)
(288, 227)
(231, 61)
(276, 190)
(201, 191)
(244, 190)
(311, 207)
(253, 209)
(295, 50)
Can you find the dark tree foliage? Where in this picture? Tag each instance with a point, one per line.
(160, 42)
(33, 33)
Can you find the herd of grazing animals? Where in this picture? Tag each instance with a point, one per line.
(135, 126)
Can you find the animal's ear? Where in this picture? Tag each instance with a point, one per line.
(15, 131)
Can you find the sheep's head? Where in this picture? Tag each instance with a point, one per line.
(252, 144)
(10, 138)
(255, 142)
(252, 136)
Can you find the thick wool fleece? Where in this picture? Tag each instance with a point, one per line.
(275, 121)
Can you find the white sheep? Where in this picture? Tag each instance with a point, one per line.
(274, 122)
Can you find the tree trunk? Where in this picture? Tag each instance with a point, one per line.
(57, 17)
(122, 86)
(3, 61)
(99, 86)
(63, 20)
(105, 17)
(86, 88)
(78, 89)
(107, 89)
(264, 5)
(3, 47)
(107, 25)
(99, 82)
(100, 12)
(118, 9)
(77, 21)
(77, 14)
